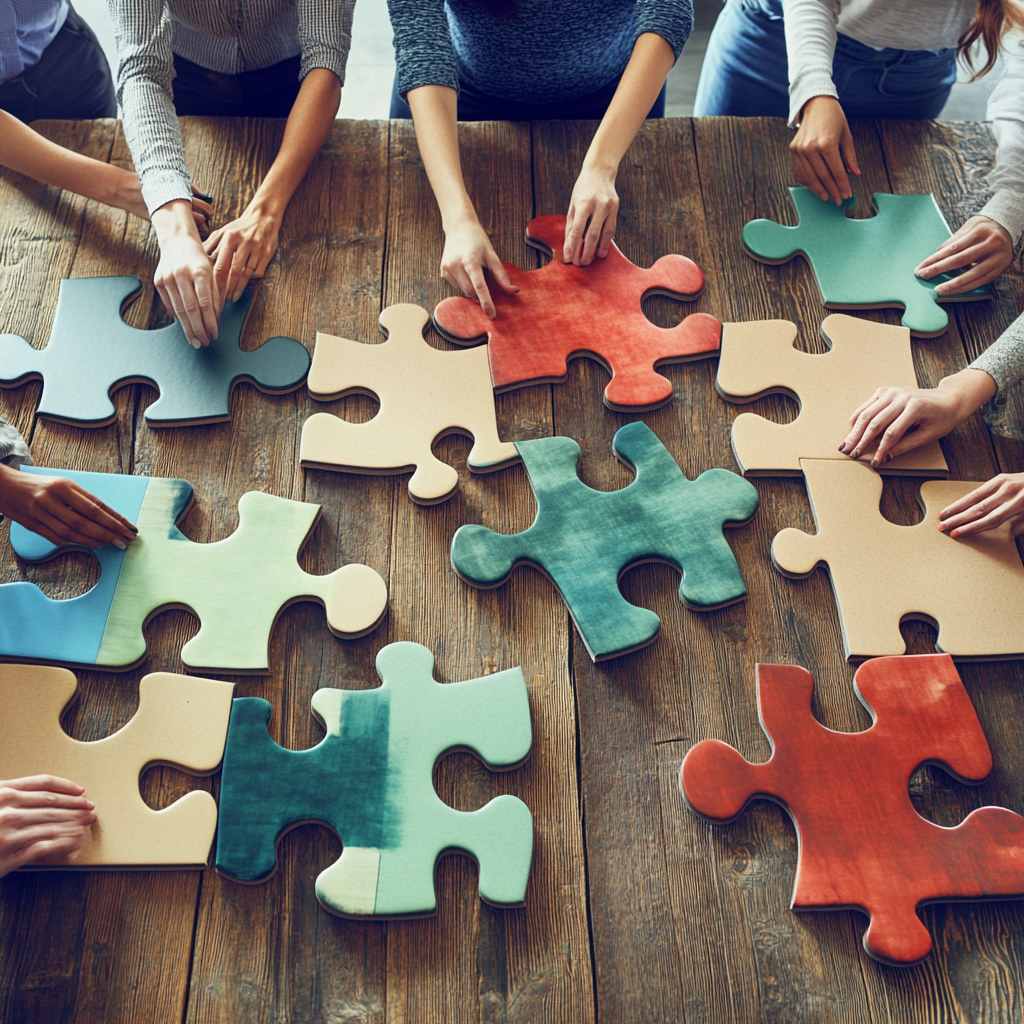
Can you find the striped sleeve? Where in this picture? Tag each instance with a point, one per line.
(145, 70)
(325, 35)
(670, 19)
(424, 54)
(13, 450)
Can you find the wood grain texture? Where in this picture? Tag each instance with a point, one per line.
(634, 911)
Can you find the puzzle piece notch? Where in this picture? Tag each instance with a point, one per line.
(164, 568)
(867, 263)
(370, 779)
(584, 539)
(92, 352)
(562, 311)
(181, 721)
(424, 393)
(862, 843)
(759, 358)
(883, 573)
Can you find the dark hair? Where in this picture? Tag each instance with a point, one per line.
(993, 19)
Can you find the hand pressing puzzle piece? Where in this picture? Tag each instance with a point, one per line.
(562, 310)
(181, 721)
(92, 352)
(862, 845)
(370, 779)
(237, 587)
(883, 573)
(424, 394)
(865, 263)
(585, 539)
(759, 359)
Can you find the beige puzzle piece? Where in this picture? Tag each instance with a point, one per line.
(883, 573)
(181, 721)
(759, 359)
(425, 394)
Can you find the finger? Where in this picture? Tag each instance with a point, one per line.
(980, 274)
(805, 176)
(35, 525)
(824, 175)
(89, 505)
(43, 783)
(41, 833)
(179, 311)
(190, 307)
(574, 237)
(204, 296)
(29, 817)
(592, 236)
(834, 162)
(222, 268)
(212, 241)
(897, 430)
(65, 531)
(961, 258)
(570, 222)
(995, 518)
(875, 397)
(874, 427)
(607, 234)
(263, 261)
(240, 272)
(500, 274)
(849, 152)
(971, 498)
(483, 294)
(70, 802)
(458, 278)
(955, 244)
(47, 849)
(864, 417)
(97, 535)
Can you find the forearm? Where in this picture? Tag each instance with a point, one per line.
(1003, 360)
(811, 34)
(311, 117)
(434, 116)
(28, 153)
(645, 74)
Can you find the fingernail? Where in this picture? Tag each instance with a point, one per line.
(855, 454)
(90, 804)
(121, 544)
(842, 448)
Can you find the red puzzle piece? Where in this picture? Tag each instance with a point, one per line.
(562, 311)
(862, 844)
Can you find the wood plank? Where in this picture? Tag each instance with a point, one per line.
(268, 952)
(472, 962)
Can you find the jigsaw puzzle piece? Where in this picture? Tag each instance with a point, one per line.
(562, 311)
(424, 393)
(181, 720)
(371, 780)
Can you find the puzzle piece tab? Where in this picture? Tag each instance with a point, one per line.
(584, 539)
(181, 720)
(562, 311)
(236, 587)
(759, 359)
(867, 263)
(92, 352)
(862, 845)
(370, 779)
(883, 573)
(425, 394)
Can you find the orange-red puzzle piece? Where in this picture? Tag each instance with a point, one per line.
(862, 844)
(562, 311)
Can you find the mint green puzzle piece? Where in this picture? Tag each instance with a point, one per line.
(92, 352)
(584, 539)
(865, 262)
(370, 779)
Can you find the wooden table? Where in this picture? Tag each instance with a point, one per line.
(637, 911)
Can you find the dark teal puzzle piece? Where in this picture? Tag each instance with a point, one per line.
(92, 352)
(585, 539)
(370, 779)
(867, 262)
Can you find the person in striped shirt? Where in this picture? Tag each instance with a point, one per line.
(262, 58)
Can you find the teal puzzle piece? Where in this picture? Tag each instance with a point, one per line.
(869, 262)
(584, 539)
(92, 352)
(370, 779)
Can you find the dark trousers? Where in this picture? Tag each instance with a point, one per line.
(267, 92)
(474, 106)
(71, 80)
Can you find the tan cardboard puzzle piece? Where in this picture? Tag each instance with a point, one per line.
(181, 721)
(759, 359)
(882, 573)
(425, 394)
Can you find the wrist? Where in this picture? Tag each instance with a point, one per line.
(8, 482)
(174, 220)
(970, 389)
(459, 215)
(269, 205)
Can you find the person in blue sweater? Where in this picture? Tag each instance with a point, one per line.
(474, 60)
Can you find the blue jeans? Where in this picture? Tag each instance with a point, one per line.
(745, 71)
(474, 106)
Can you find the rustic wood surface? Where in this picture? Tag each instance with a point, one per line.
(637, 911)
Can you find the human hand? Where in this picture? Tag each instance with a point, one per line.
(896, 420)
(1000, 500)
(592, 217)
(184, 276)
(59, 510)
(41, 818)
(242, 249)
(823, 151)
(467, 254)
(981, 245)
(125, 192)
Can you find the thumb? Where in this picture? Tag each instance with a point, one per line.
(497, 268)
